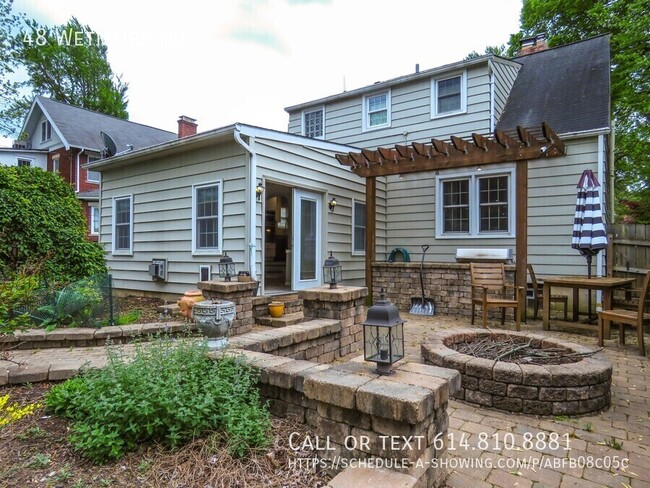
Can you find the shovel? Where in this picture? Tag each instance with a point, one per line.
(421, 305)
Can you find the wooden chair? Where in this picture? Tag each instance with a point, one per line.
(539, 297)
(489, 290)
(636, 318)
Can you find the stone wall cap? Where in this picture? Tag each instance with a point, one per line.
(393, 400)
(227, 286)
(340, 294)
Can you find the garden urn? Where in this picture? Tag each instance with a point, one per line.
(214, 318)
(187, 301)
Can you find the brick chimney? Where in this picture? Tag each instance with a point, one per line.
(531, 45)
(186, 126)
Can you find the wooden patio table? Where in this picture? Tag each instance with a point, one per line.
(606, 284)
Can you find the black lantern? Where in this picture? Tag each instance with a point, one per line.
(226, 267)
(259, 189)
(332, 271)
(383, 335)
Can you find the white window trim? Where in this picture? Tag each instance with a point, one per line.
(30, 162)
(463, 94)
(209, 269)
(365, 116)
(474, 233)
(44, 133)
(210, 251)
(93, 209)
(129, 251)
(356, 252)
(90, 160)
(302, 120)
(56, 165)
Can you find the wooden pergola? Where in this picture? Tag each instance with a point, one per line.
(530, 143)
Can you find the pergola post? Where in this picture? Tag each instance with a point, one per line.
(521, 229)
(371, 231)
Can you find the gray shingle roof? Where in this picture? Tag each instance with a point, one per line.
(81, 127)
(567, 87)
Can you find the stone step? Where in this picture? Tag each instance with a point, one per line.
(172, 309)
(285, 320)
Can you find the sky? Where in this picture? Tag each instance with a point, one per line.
(228, 61)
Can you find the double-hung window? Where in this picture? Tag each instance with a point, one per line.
(448, 95)
(94, 219)
(313, 123)
(206, 218)
(92, 176)
(46, 131)
(358, 227)
(376, 110)
(123, 225)
(475, 205)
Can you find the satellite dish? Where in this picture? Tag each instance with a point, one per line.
(110, 148)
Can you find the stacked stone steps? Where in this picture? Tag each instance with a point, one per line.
(292, 310)
(287, 319)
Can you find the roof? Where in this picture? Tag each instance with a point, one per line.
(79, 127)
(211, 137)
(567, 87)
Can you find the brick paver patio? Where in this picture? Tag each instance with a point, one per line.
(486, 447)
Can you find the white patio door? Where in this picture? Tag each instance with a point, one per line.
(306, 232)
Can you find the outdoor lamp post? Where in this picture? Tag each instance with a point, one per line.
(383, 335)
(332, 271)
(226, 267)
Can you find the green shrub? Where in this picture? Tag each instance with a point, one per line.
(15, 298)
(41, 219)
(169, 392)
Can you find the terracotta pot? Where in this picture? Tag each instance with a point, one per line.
(187, 301)
(276, 309)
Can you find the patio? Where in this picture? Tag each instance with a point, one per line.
(477, 436)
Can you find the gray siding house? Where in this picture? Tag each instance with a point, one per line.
(258, 195)
(567, 87)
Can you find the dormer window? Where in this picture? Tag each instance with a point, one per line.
(376, 111)
(313, 123)
(46, 131)
(448, 95)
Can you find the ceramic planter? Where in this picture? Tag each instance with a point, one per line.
(187, 301)
(214, 318)
(276, 309)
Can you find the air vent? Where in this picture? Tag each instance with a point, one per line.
(158, 269)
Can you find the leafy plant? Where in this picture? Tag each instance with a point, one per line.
(613, 443)
(588, 427)
(131, 317)
(10, 413)
(169, 392)
(15, 297)
(39, 460)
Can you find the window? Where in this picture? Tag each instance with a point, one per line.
(476, 205)
(55, 165)
(376, 111)
(206, 221)
(46, 131)
(358, 227)
(122, 225)
(24, 162)
(312, 123)
(92, 176)
(448, 95)
(94, 220)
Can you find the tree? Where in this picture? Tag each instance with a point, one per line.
(41, 221)
(8, 86)
(494, 50)
(628, 22)
(68, 63)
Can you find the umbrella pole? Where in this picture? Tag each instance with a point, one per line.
(589, 291)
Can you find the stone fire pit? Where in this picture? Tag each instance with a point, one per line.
(578, 387)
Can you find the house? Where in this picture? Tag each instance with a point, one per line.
(265, 198)
(566, 87)
(170, 212)
(62, 138)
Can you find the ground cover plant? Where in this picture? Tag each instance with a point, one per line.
(169, 392)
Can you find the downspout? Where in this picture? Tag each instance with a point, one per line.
(491, 73)
(78, 169)
(252, 174)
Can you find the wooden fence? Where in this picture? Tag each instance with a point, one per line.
(629, 251)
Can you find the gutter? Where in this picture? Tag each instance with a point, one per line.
(252, 211)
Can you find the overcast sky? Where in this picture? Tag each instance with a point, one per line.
(229, 61)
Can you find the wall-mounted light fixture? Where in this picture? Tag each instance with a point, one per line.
(479, 168)
(332, 204)
(259, 189)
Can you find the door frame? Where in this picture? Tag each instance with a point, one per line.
(317, 197)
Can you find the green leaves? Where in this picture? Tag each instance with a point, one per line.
(170, 392)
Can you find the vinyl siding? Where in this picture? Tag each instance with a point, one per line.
(162, 209)
(318, 171)
(505, 75)
(410, 113)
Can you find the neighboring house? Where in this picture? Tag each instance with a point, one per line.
(567, 87)
(61, 138)
(259, 195)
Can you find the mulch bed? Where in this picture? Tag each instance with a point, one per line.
(35, 453)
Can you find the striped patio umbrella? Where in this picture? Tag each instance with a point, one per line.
(589, 235)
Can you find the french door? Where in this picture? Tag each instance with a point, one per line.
(307, 240)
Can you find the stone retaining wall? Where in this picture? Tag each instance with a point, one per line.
(447, 284)
(575, 388)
